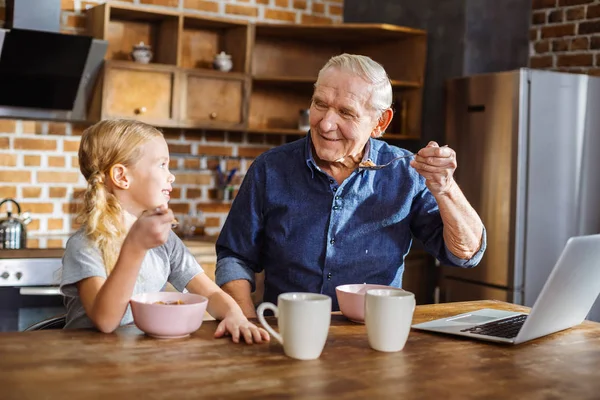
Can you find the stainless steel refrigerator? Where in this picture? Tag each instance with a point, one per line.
(528, 153)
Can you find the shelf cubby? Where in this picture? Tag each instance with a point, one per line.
(413, 99)
(277, 106)
(124, 26)
(204, 37)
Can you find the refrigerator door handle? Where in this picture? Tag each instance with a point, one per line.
(476, 108)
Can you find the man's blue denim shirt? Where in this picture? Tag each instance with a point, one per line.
(310, 234)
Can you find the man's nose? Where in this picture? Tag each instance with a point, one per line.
(328, 123)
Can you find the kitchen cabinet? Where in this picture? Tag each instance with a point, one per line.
(452, 290)
(420, 276)
(274, 69)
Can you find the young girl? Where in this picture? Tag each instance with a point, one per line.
(125, 245)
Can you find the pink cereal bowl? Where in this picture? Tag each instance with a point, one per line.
(351, 299)
(168, 321)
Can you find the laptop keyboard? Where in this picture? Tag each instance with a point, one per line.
(504, 328)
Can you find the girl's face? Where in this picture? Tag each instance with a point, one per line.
(149, 179)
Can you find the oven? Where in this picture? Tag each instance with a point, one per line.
(29, 291)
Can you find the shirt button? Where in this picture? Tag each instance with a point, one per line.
(336, 208)
(329, 276)
(335, 189)
(338, 197)
(331, 181)
(332, 241)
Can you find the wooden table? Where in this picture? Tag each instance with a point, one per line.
(128, 364)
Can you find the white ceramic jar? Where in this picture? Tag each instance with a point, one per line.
(141, 53)
(222, 62)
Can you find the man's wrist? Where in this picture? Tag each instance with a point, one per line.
(451, 192)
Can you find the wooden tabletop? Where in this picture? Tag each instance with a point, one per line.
(128, 364)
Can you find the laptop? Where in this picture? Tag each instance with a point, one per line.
(565, 300)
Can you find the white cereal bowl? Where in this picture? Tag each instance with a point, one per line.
(351, 299)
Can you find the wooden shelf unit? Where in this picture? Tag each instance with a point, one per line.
(189, 95)
(274, 70)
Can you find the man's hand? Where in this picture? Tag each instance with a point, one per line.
(436, 164)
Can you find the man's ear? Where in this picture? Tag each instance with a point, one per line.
(384, 121)
(119, 176)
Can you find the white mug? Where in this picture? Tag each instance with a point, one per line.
(303, 320)
(388, 317)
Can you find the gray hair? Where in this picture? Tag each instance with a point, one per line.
(369, 70)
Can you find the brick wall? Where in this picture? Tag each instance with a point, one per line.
(38, 159)
(565, 35)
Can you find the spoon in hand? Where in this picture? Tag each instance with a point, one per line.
(371, 165)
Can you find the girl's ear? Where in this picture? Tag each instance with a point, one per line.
(119, 177)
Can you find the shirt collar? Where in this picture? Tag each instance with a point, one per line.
(310, 161)
(312, 164)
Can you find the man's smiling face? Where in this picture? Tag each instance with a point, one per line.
(341, 120)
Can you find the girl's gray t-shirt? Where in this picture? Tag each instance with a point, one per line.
(171, 262)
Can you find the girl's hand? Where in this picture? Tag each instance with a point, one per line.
(237, 325)
(152, 228)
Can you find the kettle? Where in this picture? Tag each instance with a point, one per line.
(13, 234)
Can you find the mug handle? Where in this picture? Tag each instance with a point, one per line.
(260, 310)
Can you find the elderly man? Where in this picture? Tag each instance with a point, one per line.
(312, 218)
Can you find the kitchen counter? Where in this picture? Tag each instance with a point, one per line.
(32, 253)
(201, 247)
(198, 245)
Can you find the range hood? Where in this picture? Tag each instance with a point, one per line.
(45, 74)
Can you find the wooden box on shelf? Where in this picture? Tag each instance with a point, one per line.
(286, 60)
(213, 100)
(138, 91)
